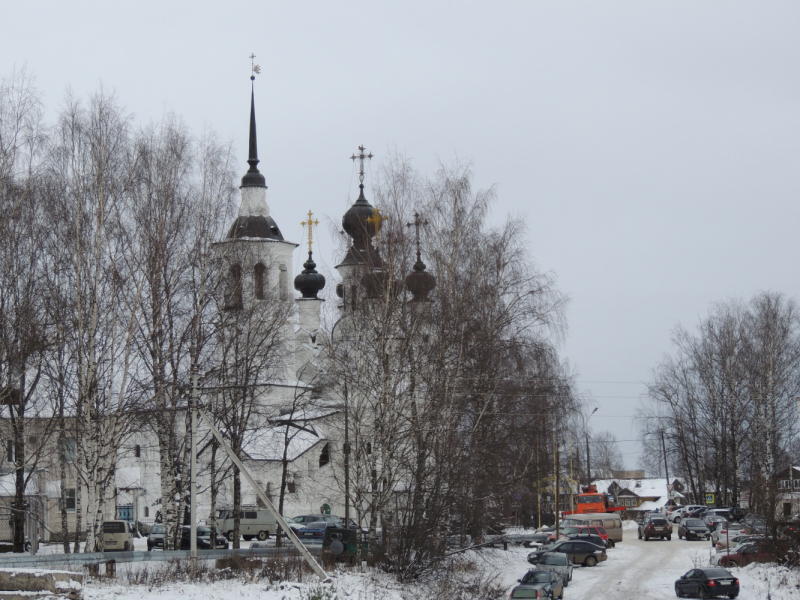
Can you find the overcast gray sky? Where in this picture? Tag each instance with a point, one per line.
(652, 147)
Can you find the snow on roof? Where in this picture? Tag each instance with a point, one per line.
(652, 504)
(128, 477)
(267, 444)
(307, 413)
(644, 488)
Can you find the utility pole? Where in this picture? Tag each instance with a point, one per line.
(571, 480)
(346, 461)
(193, 472)
(558, 487)
(666, 468)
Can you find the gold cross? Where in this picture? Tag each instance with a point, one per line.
(253, 66)
(309, 224)
(361, 157)
(375, 220)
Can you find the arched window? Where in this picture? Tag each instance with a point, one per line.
(233, 298)
(325, 455)
(283, 281)
(137, 451)
(260, 273)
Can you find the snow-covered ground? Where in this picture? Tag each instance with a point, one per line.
(635, 570)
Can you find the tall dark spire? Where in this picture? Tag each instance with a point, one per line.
(253, 178)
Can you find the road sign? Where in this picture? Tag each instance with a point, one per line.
(517, 496)
(709, 498)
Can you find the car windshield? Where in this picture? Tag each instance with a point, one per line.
(157, 529)
(536, 577)
(658, 521)
(554, 559)
(694, 523)
(204, 531)
(570, 530)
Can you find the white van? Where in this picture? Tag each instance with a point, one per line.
(117, 536)
(612, 523)
(253, 523)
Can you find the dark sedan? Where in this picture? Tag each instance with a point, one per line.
(693, 529)
(203, 539)
(707, 583)
(156, 537)
(580, 553)
(534, 583)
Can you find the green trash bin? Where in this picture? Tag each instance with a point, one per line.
(343, 543)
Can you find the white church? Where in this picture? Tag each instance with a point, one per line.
(302, 423)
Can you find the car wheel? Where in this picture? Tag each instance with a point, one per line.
(590, 561)
(731, 564)
(731, 596)
(646, 538)
(669, 538)
(680, 535)
(263, 535)
(566, 583)
(611, 543)
(678, 591)
(561, 597)
(229, 535)
(702, 593)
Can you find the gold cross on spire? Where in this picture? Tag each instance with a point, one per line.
(309, 224)
(254, 68)
(361, 157)
(376, 220)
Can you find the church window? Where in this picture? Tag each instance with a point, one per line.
(233, 298)
(368, 447)
(260, 276)
(146, 512)
(137, 451)
(290, 487)
(10, 451)
(325, 455)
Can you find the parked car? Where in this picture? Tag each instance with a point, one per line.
(696, 513)
(711, 521)
(610, 522)
(720, 512)
(544, 580)
(655, 527)
(585, 529)
(761, 552)
(579, 552)
(588, 537)
(253, 523)
(559, 563)
(203, 539)
(117, 536)
(693, 529)
(737, 514)
(315, 532)
(724, 534)
(754, 524)
(301, 521)
(683, 512)
(707, 583)
(155, 538)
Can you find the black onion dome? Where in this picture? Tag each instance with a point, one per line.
(356, 221)
(378, 282)
(309, 282)
(360, 225)
(420, 282)
(255, 226)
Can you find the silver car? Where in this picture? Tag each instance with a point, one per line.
(558, 563)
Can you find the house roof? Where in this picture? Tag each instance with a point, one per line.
(643, 488)
(267, 444)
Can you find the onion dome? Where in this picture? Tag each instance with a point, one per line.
(420, 282)
(309, 282)
(255, 226)
(361, 223)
